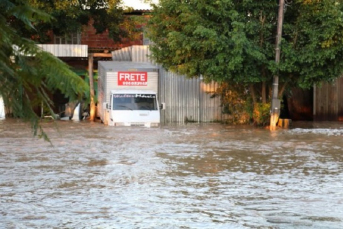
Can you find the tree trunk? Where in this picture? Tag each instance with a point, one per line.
(253, 95)
(264, 92)
(282, 90)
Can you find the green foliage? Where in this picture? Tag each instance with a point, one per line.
(26, 72)
(312, 45)
(222, 40)
(234, 41)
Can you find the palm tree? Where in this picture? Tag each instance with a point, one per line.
(28, 74)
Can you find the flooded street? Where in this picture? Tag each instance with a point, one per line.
(190, 176)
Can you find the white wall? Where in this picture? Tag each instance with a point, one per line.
(2, 109)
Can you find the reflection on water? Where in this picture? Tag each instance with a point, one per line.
(192, 176)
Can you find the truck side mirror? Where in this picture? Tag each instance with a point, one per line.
(163, 106)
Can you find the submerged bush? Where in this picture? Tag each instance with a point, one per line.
(261, 114)
(239, 108)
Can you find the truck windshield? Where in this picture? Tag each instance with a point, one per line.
(134, 102)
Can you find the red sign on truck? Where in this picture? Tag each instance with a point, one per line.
(132, 79)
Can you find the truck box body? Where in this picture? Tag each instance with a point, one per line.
(127, 93)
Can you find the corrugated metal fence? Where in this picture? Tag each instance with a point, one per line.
(328, 101)
(187, 100)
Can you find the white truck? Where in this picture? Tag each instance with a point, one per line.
(127, 94)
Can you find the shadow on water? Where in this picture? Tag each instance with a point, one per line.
(176, 176)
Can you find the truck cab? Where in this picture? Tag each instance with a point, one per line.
(133, 108)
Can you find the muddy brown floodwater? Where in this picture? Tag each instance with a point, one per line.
(181, 176)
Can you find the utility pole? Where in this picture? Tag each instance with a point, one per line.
(275, 105)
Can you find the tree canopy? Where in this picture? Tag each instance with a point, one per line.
(234, 41)
(27, 73)
(68, 16)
